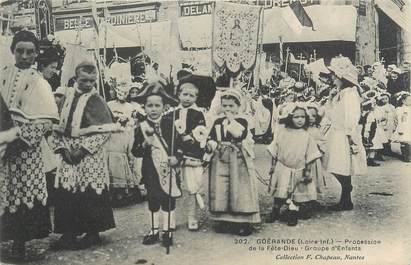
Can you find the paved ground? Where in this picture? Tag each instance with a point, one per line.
(381, 219)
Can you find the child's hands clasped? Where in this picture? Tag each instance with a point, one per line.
(306, 179)
(173, 161)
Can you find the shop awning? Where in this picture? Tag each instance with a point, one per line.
(195, 31)
(148, 35)
(400, 17)
(338, 25)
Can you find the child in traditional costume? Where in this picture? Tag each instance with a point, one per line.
(82, 200)
(294, 155)
(372, 133)
(30, 101)
(233, 197)
(403, 132)
(156, 142)
(123, 180)
(380, 134)
(190, 125)
(315, 114)
(389, 121)
(369, 126)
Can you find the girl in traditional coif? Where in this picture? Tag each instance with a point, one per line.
(233, 197)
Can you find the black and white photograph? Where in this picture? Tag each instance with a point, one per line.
(225, 132)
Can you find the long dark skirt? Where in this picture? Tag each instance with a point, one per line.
(82, 212)
(26, 224)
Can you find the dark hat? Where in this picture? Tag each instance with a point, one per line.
(49, 56)
(186, 71)
(206, 88)
(156, 88)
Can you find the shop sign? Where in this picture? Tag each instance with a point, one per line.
(196, 10)
(115, 19)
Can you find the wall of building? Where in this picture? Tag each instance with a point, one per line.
(366, 46)
(404, 54)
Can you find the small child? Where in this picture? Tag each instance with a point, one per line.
(315, 114)
(380, 135)
(403, 132)
(294, 153)
(123, 180)
(368, 132)
(233, 197)
(389, 120)
(190, 125)
(153, 141)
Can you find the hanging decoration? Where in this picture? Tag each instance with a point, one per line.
(43, 13)
(235, 35)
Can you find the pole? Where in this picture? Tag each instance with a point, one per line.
(171, 177)
(171, 154)
(286, 59)
(257, 71)
(281, 50)
(300, 66)
(212, 41)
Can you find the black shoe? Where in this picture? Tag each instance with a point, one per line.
(151, 239)
(371, 163)
(65, 242)
(379, 157)
(167, 239)
(245, 230)
(89, 240)
(292, 219)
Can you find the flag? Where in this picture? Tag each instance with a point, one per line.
(301, 14)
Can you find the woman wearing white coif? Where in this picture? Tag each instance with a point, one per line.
(346, 154)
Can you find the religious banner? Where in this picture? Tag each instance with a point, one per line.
(235, 35)
(43, 12)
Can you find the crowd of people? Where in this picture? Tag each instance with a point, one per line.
(68, 151)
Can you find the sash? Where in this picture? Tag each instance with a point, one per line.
(160, 159)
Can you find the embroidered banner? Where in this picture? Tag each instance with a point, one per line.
(235, 35)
